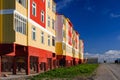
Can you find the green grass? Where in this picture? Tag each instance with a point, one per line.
(68, 73)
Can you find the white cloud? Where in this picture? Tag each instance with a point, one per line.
(91, 55)
(63, 3)
(115, 15)
(109, 55)
(113, 52)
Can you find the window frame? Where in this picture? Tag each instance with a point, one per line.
(53, 41)
(20, 24)
(42, 16)
(48, 40)
(34, 8)
(33, 33)
(42, 37)
(53, 24)
(48, 21)
(54, 8)
(48, 3)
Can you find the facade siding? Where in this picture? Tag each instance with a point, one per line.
(8, 35)
(8, 4)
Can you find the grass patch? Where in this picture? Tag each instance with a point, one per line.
(68, 72)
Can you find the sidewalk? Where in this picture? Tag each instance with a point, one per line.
(18, 77)
(104, 73)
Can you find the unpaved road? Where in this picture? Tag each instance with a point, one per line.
(108, 72)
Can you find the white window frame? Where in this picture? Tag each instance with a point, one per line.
(48, 21)
(53, 24)
(33, 33)
(54, 8)
(53, 41)
(20, 24)
(33, 7)
(48, 40)
(43, 0)
(42, 37)
(42, 16)
(48, 3)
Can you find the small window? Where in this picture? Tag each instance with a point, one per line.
(63, 46)
(48, 3)
(48, 21)
(53, 41)
(43, 0)
(33, 33)
(53, 24)
(64, 21)
(63, 33)
(42, 16)
(34, 9)
(20, 1)
(54, 8)
(48, 40)
(42, 37)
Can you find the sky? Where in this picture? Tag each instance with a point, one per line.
(97, 21)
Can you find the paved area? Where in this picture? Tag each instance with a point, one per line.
(18, 77)
(108, 72)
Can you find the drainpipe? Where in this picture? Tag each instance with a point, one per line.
(27, 58)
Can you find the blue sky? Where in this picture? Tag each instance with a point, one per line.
(97, 21)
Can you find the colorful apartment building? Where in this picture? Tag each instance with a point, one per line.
(67, 42)
(33, 38)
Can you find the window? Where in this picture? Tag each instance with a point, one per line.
(48, 3)
(48, 21)
(34, 9)
(20, 24)
(42, 37)
(63, 33)
(43, 0)
(64, 21)
(42, 16)
(48, 40)
(33, 33)
(63, 46)
(53, 41)
(22, 2)
(53, 24)
(54, 8)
